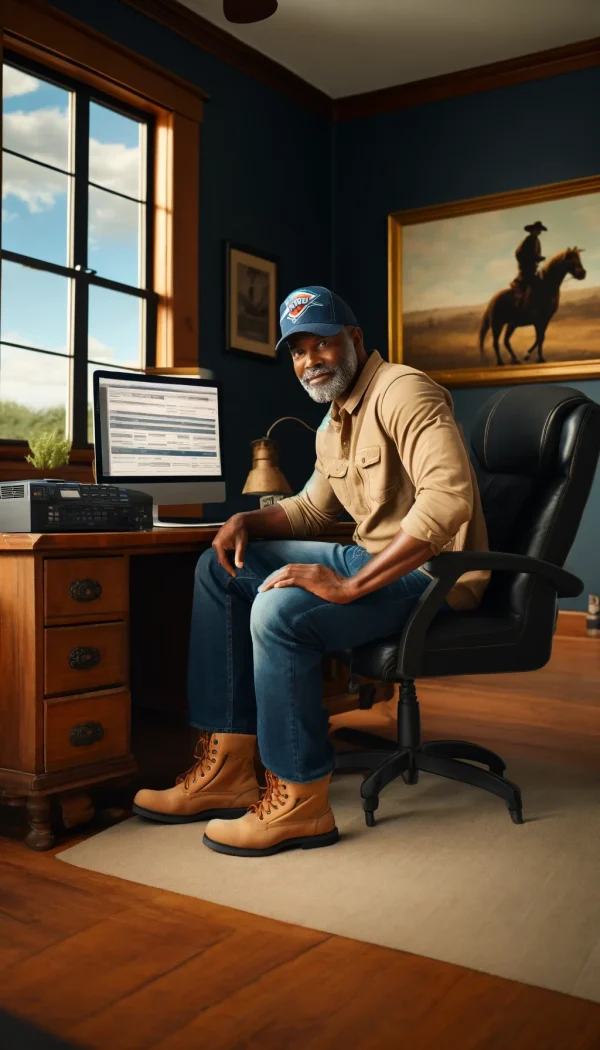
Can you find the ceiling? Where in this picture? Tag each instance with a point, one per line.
(346, 47)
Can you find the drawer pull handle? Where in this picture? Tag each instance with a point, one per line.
(84, 657)
(86, 733)
(85, 590)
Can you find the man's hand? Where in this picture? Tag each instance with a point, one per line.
(232, 536)
(317, 579)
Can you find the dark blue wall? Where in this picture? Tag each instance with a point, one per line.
(258, 188)
(509, 139)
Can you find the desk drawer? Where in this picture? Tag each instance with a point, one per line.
(84, 588)
(80, 658)
(83, 729)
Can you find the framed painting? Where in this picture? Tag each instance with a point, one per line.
(252, 300)
(500, 289)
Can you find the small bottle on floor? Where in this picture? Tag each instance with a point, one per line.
(593, 616)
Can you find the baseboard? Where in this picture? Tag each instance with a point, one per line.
(572, 624)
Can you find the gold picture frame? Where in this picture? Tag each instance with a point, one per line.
(414, 334)
(252, 302)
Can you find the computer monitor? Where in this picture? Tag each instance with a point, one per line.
(160, 435)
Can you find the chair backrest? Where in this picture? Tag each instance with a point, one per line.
(535, 451)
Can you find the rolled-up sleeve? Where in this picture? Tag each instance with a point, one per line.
(434, 456)
(313, 509)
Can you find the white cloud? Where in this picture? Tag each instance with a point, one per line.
(43, 134)
(35, 380)
(99, 351)
(15, 83)
(38, 188)
(115, 166)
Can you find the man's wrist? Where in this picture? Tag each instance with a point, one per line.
(243, 520)
(352, 589)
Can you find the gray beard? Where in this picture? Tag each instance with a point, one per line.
(338, 381)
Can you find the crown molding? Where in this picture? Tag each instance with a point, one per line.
(199, 31)
(582, 55)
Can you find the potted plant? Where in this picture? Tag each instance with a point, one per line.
(49, 452)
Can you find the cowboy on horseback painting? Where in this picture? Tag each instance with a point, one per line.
(532, 298)
(479, 285)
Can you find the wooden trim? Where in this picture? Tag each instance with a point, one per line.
(550, 191)
(215, 41)
(98, 59)
(537, 66)
(176, 253)
(572, 624)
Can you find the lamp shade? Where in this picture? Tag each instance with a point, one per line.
(265, 477)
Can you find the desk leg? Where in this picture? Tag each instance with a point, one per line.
(39, 816)
(77, 809)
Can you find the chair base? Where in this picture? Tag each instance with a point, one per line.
(406, 757)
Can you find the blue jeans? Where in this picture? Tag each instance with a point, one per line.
(255, 659)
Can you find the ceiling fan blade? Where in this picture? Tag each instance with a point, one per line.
(241, 11)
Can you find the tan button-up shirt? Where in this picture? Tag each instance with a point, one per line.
(394, 458)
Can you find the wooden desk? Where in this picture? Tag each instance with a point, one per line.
(88, 625)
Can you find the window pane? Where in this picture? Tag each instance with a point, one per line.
(116, 152)
(34, 210)
(35, 308)
(115, 328)
(35, 118)
(114, 236)
(34, 392)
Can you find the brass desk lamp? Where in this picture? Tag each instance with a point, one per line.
(265, 478)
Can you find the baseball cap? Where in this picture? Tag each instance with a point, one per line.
(313, 309)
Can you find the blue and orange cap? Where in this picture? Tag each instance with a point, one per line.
(314, 309)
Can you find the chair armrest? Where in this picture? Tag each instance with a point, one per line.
(446, 569)
(453, 564)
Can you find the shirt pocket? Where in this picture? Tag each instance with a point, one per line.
(337, 470)
(375, 475)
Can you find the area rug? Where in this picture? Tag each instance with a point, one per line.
(444, 873)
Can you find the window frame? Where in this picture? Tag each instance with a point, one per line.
(63, 46)
(79, 272)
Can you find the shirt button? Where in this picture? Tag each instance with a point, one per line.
(363, 459)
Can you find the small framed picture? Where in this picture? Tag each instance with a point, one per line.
(252, 300)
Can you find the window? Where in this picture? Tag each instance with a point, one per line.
(98, 266)
(76, 249)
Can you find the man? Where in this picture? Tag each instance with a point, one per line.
(528, 256)
(390, 453)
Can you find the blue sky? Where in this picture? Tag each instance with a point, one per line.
(35, 209)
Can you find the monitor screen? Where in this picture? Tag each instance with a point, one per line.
(156, 428)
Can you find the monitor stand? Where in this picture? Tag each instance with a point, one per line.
(157, 523)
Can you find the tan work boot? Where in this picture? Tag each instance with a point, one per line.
(221, 783)
(287, 815)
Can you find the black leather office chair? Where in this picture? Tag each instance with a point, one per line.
(535, 451)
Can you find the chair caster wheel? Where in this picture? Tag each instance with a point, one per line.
(411, 776)
(370, 820)
(516, 816)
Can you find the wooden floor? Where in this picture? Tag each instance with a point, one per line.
(116, 966)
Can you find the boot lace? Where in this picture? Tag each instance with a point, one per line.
(273, 797)
(203, 762)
